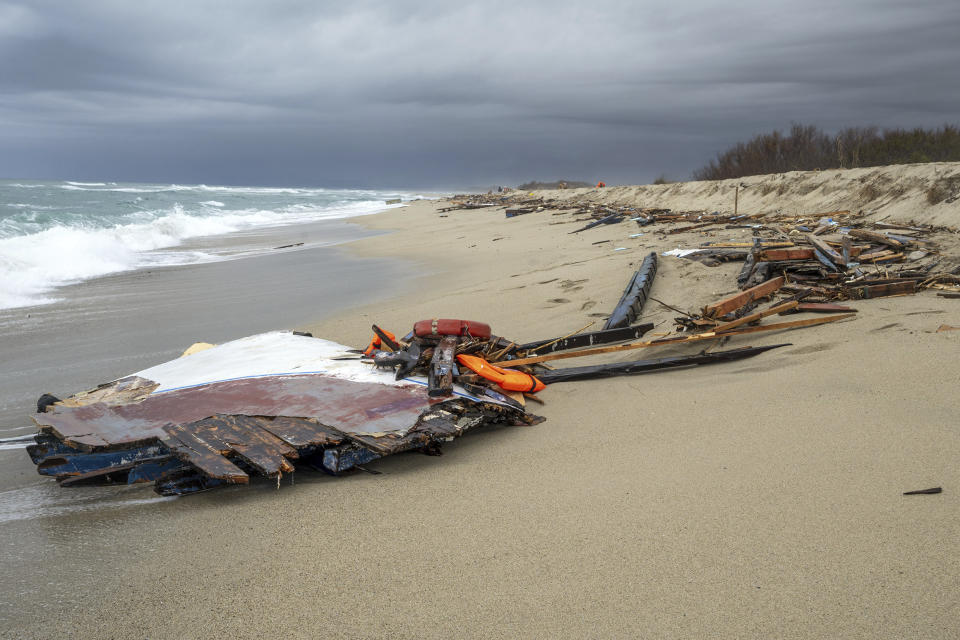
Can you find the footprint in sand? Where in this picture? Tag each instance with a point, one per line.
(572, 285)
(589, 304)
(558, 300)
(597, 315)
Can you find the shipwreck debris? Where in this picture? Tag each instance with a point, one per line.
(635, 295)
(268, 404)
(924, 492)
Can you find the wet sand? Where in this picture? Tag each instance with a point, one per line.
(756, 499)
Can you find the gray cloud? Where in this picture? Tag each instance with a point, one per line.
(434, 93)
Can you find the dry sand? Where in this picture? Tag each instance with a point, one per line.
(759, 499)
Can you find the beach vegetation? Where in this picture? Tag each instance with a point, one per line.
(809, 148)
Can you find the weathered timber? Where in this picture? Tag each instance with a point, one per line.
(877, 255)
(737, 300)
(873, 236)
(189, 448)
(611, 219)
(643, 366)
(761, 274)
(823, 307)
(949, 295)
(635, 295)
(746, 245)
(440, 378)
(753, 317)
(778, 255)
(824, 248)
(710, 335)
(587, 339)
(882, 290)
(749, 264)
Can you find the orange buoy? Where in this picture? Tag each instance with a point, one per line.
(376, 343)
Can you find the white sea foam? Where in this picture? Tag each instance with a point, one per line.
(87, 184)
(33, 265)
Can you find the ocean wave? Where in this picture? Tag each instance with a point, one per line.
(113, 187)
(33, 265)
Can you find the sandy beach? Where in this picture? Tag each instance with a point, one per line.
(755, 499)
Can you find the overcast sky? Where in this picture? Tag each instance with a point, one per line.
(444, 94)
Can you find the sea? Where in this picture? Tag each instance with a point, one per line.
(102, 279)
(55, 233)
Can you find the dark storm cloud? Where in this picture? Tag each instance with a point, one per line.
(436, 93)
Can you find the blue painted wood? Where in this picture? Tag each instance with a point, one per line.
(78, 463)
(152, 471)
(345, 457)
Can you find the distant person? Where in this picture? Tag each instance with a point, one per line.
(601, 184)
(499, 189)
(563, 185)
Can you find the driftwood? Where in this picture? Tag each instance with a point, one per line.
(738, 300)
(709, 335)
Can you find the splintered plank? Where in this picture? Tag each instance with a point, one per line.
(745, 245)
(753, 317)
(301, 432)
(878, 238)
(223, 431)
(734, 302)
(780, 255)
(243, 436)
(204, 457)
(709, 335)
(877, 255)
(883, 290)
(827, 250)
(823, 307)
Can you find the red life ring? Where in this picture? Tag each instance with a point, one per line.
(449, 327)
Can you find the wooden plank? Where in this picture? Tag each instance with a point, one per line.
(883, 290)
(711, 335)
(876, 255)
(878, 238)
(734, 302)
(243, 435)
(823, 307)
(778, 255)
(746, 245)
(301, 432)
(827, 250)
(200, 454)
(753, 317)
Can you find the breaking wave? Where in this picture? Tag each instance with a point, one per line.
(43, 247)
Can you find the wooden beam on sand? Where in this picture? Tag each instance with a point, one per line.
(710, 335)
(873, 236)
(753, 317)
(737, 300)
(827, 250)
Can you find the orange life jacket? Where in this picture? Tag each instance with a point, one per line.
(376, 343)
(508, 379)
(601, 184)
